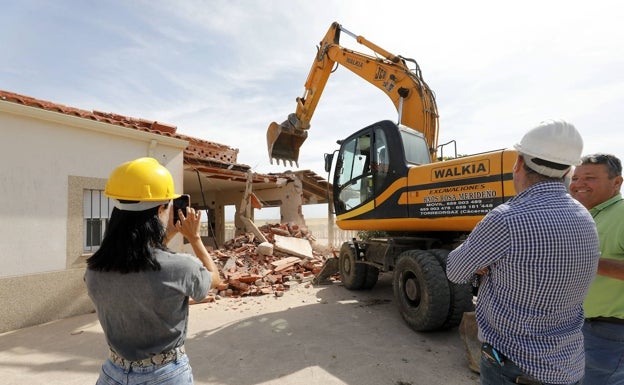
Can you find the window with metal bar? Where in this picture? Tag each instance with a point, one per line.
(96, 211)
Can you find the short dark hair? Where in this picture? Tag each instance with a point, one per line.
(536, 176)
(614, 166)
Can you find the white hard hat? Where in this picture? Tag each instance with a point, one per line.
(554, 141)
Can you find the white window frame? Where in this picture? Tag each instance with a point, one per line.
(76, 185)
(97, 208)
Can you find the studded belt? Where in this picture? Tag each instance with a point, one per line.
(156, 359)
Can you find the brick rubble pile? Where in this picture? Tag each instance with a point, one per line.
(251, 267)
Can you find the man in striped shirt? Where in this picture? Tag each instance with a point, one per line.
(535, 257)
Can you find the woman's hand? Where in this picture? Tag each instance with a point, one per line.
(189, 224)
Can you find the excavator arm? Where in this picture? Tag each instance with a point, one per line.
(412, 97)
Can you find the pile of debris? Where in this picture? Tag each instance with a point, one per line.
(252, 266)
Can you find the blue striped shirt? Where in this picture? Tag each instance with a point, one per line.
(541, 248)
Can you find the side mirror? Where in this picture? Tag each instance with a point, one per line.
(329, 159)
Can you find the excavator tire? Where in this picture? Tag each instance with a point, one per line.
(421, 290)
(372, 275)
(353, 275)
(461, 294)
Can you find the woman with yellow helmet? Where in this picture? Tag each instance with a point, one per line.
(141, 289)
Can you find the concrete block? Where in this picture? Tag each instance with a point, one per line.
(294, 246)
(265, 248)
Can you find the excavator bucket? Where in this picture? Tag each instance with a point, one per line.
(284, 141)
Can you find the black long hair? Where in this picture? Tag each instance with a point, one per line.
(128, 242)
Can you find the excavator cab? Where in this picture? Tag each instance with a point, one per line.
(368, 162)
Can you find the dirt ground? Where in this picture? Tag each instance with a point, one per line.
(312, 335)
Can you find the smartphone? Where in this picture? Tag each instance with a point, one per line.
(180, 203)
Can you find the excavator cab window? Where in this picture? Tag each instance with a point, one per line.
(381, 162)
(415, 145)
(355, 182)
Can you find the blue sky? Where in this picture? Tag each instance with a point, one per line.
(223, 70)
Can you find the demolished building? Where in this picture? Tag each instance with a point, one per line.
(56, 160)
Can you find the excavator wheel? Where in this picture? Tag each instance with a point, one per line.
(461, 294)
(372, 275)
(421, 290)
(353, 275)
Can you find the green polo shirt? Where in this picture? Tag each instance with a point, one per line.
(606, 295)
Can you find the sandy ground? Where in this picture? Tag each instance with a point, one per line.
(312, 335)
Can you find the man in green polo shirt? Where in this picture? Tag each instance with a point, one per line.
(596, 184)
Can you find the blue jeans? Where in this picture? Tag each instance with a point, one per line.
(177, 372)
(604, 353)
(493, 373)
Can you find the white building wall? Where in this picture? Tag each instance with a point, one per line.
(40, 153)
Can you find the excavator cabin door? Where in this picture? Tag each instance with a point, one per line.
(367, 164)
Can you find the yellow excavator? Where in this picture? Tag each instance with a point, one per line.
(387, 180)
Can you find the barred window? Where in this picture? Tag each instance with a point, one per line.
(96, 211)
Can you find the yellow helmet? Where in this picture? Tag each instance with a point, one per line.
(142, 179)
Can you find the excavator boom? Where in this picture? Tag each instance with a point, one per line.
(412, 97)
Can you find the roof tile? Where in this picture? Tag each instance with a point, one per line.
(197, 149)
